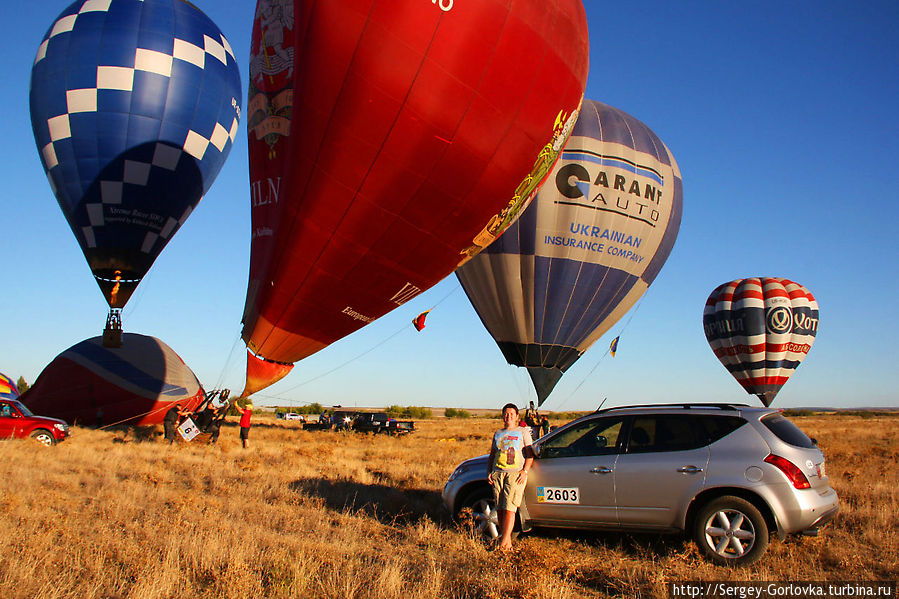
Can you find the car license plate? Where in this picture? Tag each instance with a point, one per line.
(558, 495)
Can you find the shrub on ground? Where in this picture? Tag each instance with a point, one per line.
(456, 413)
(409, 412)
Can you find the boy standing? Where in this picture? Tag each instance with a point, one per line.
(510, 459)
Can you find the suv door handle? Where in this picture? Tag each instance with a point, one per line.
(689, 469)
(601, 470)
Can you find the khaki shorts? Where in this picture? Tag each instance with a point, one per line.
(506, 490)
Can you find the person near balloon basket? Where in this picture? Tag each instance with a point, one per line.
(215, 426)
(544, 426)
(204, 415)
(510, 460)
(171, 420)
(245, 413)
(539, 424)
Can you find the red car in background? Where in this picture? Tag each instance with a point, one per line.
(17, 422)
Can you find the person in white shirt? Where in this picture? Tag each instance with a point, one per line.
(511, 457)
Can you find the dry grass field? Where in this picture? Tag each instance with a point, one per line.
(321, 514)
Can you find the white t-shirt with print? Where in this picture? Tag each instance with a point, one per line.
(509, 447)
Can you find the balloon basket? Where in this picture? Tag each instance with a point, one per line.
(112, 334)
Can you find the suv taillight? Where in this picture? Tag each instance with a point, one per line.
(790, 469)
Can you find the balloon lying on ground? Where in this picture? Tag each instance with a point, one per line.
(8, 387)
(96, 385)
(388, 143)
(585, 249)
(761, 329)
(134, 108)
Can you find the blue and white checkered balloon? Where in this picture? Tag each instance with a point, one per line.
(134, 106)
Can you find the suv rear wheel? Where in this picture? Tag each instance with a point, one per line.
(44, 437)
(731, 531)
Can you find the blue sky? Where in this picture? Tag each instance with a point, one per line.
(782, 117)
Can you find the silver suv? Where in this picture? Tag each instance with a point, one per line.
(727, 474)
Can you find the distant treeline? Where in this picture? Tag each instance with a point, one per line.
(566, 416)
(554, 416)
(456, 413)
(392, 411)
(409, 412)
(313, 408)
(423, 413)
(860, 413)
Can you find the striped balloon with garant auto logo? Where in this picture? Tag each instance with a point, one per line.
(585, 250)
(761, 329)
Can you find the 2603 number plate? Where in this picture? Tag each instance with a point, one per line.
(558, 495)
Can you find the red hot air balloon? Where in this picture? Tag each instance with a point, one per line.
(761, 329)
(389, 141)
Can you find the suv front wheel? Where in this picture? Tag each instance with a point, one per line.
(479, 509)
(731, 531)
(44, 437)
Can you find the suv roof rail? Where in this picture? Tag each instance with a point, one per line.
(685, 406)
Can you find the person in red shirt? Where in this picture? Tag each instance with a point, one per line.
(245, 413)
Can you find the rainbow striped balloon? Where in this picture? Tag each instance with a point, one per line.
(761, 329)
(8, 389)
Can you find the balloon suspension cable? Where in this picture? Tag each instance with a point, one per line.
(138, 294)
(522, 383)
(209, 398)
(221, 377)
(405, 327)
(112, 334)
(338, 367)
(602, 357)
(456, 288)
(147, 413)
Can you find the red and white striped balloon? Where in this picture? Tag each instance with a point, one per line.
(761, 329)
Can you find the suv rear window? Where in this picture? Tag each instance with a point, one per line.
(665, 432)
(786, 431)
(718, 427)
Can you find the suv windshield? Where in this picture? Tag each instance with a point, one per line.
(786, 431)
(21, 407)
